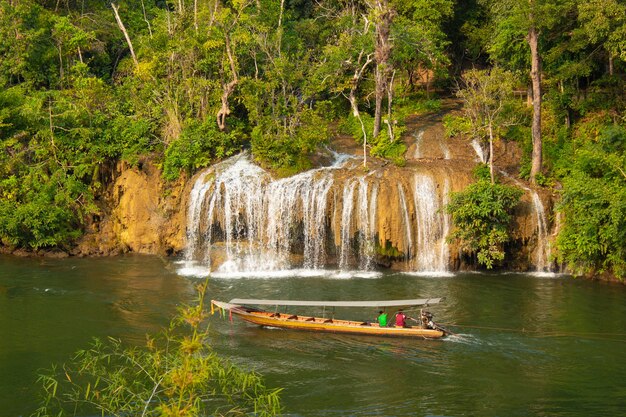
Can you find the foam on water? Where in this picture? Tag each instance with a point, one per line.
(438, 274)
(297, 273)
(192, 269)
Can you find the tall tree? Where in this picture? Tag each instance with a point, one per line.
(488, 105)
(604, 23)
(382, 15)
(530, 21)
(120, 24)
(347, 59)
(419, 39)
(535, 79)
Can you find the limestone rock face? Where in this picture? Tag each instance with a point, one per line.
(143, 215)
(342, 215)
(137, 219)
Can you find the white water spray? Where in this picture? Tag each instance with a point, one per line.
(479, 151)
(543, 251)
(419, 137)
(432, 225)
(408, 250)
(240, 221)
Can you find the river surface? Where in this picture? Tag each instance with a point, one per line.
(526, 345)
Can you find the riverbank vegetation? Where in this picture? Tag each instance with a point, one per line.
(88, 84)
(176, 374)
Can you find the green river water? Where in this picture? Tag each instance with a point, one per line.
(530, 346)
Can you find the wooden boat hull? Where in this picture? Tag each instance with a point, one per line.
(317, 324)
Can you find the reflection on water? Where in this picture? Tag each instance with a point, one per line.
(523, 345)
(52, 308)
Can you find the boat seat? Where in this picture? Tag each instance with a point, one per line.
(275, 315)
(328, 321)
(365, 324)
(294, 317)
(310, 319)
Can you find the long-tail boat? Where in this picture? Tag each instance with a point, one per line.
(242, 308)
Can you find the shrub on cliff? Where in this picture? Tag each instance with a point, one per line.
(481, 214)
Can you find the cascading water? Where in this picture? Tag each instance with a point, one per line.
(346, 224)
(407, 222)
(445, 150)
(432, 225)
(367, 221)
(419, 137)
(543, 250)
(299, 203)
(232, 194)
(193, 214)
(240, 220)
(479, 151)
(255, 223)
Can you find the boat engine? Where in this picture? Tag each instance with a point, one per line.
(426, 318)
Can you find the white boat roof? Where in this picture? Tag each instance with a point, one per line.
(374, 304)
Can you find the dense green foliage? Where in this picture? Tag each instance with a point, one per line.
(489, 108)
(481, 214)
(207, 79)
(594, 201)
(189, 85)
(174, 375)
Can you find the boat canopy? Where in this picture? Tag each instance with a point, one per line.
(373, 304)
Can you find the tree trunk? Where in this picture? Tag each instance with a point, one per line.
(380, 92)
(145, 18)
(611, 64)
(382, 54)
(493, 181)
(356, 78)
(535, 76)
(279, 29)
(389, 101)
(228, 88)
(123, 29)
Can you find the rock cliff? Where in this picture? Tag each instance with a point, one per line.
(399, 210)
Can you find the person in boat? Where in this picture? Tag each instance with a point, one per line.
(402, 318)
(382, 318)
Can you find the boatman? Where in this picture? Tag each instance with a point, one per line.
(401, 319)
(382, 319)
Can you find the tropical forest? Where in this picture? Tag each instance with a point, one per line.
(154, 152)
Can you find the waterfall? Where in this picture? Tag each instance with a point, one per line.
(237, 203)
(295, 203)
(346, 224)
(479, 151)
(241, 221)
(444, 149)
(193, 215)
(419, 137)
(233, 213)
(432, 225)
(543, 250)
(407, 223)
(367, 221)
